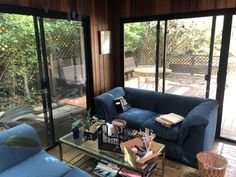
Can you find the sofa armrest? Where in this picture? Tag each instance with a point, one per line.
(104, 103)
(10, 156)
(201, 115)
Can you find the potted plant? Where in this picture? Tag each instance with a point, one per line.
(90, 132)
(84, 121)
(76, 125)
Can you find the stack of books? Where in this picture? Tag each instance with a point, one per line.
(169, 119)
(104, 169)
(150, 168)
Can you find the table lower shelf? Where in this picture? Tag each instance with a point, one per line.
(76, 158)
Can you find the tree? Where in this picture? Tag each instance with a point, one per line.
(187, 37)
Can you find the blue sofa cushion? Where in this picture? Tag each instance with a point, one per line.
(135, 117)
(39, 165)
(142, 99)
(10, 156)
(77, 173)
(179, 104)
(104, 103)
(162, 132)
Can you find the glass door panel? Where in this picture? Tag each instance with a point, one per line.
(140, 54)
(228, 124)
(67, 73)
(187, 56)
(21, 100)
(216, 56)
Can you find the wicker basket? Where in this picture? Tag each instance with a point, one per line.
(211, 164)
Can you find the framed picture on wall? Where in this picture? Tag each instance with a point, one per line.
(105, 42)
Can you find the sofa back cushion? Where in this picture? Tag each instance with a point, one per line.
(142, 99)
(10, 156)
(104, 103)
(161, 103)
(179, 104)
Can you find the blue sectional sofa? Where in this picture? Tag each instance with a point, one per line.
(183, 140)
(31, 162)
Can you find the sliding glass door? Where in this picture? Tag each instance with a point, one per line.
(187, 56)
(21, 96)
(181, 54)
(67, 71)
(42, 73)
(228, 124)
(140, 54)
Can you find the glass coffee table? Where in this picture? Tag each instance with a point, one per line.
(90, 148)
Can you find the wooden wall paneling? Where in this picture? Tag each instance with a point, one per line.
(84, 7)
(53, 5)
(107, 58)
(73, 5)
(125, 8)
(176, 6)
(43, 4)
(138, 8)
(194, 5)
(26, 3)
(11, 2)
(211, 4)
(64, 5)
(107, 72)
(164, 7)
(94, 41)
(185, 6)
(115, 31)
(230, 3)
(100, 22)
(154, 6)
(105, 15)
(220, 4)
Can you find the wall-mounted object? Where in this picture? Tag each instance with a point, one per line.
(104, 42)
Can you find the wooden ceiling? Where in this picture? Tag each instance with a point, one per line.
(106, 15)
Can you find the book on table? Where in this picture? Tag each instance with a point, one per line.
(169, 119)
(106, 169)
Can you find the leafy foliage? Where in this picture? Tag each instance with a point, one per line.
(133, 36)
(184, 37)
(84, 120)
(18, 57)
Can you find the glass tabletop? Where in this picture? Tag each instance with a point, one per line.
(91, 148)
